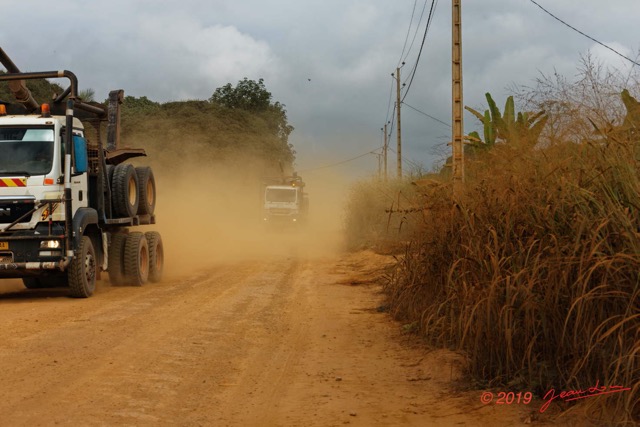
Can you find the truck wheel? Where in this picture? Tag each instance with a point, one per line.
(32, 283)
(116, 258)
(124, 187)
(156, 256)
(136, 259)
(82, 270)
(147, 190)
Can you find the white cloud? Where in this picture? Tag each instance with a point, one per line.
(196, 58)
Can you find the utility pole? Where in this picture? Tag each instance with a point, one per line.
(386, 148)
(458, 127)
(399, 133)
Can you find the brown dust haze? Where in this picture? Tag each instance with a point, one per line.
(210, 213)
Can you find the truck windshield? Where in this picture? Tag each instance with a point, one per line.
(281, 195)
(26, 150)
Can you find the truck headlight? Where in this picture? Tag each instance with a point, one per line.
(50, 244)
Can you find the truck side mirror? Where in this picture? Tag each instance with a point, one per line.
(80, 159)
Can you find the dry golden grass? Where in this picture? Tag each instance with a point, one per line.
(534, 271)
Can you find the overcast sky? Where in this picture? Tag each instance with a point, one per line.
(328, 61)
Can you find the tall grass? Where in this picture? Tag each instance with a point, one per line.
(380, 214)
(534, 271)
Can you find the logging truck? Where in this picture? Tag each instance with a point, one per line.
(285, 201)
(69, 205)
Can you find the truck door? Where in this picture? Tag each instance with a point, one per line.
(79, 181)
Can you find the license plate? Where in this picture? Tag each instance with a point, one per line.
(4, 246)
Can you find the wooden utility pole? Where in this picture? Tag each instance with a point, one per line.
(386, 148)
(399, 133)
(458, 126)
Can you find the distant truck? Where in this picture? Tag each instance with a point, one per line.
(67, 204)
(285, 201)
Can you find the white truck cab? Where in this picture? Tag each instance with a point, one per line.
(285, 202)
(34, 171)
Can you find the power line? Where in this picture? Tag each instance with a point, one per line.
(586, 35)
(392, 121)
(342, 162)
(426, 29)
(415, 67)
(386, 119)
(428, 115)
(406, 38)
(434, 3)
(415, 34)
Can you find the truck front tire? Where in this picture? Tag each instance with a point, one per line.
(136, 259)
(82, 270)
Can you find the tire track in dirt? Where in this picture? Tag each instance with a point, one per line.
(131, 347)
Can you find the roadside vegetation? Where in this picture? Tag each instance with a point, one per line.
(381, 215)
(532, 271)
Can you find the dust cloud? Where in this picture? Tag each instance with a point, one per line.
(211, 213)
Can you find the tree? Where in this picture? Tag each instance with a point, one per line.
(523, 128)
(247, 95)
(254, 97)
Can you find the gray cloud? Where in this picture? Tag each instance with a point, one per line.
(172, 50)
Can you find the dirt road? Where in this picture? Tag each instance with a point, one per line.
(287, 340)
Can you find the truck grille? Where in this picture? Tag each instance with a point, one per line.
(280, 211)
(11, 210)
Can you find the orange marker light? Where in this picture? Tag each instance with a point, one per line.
(48, 181)
(3, 110)
(46, 111)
